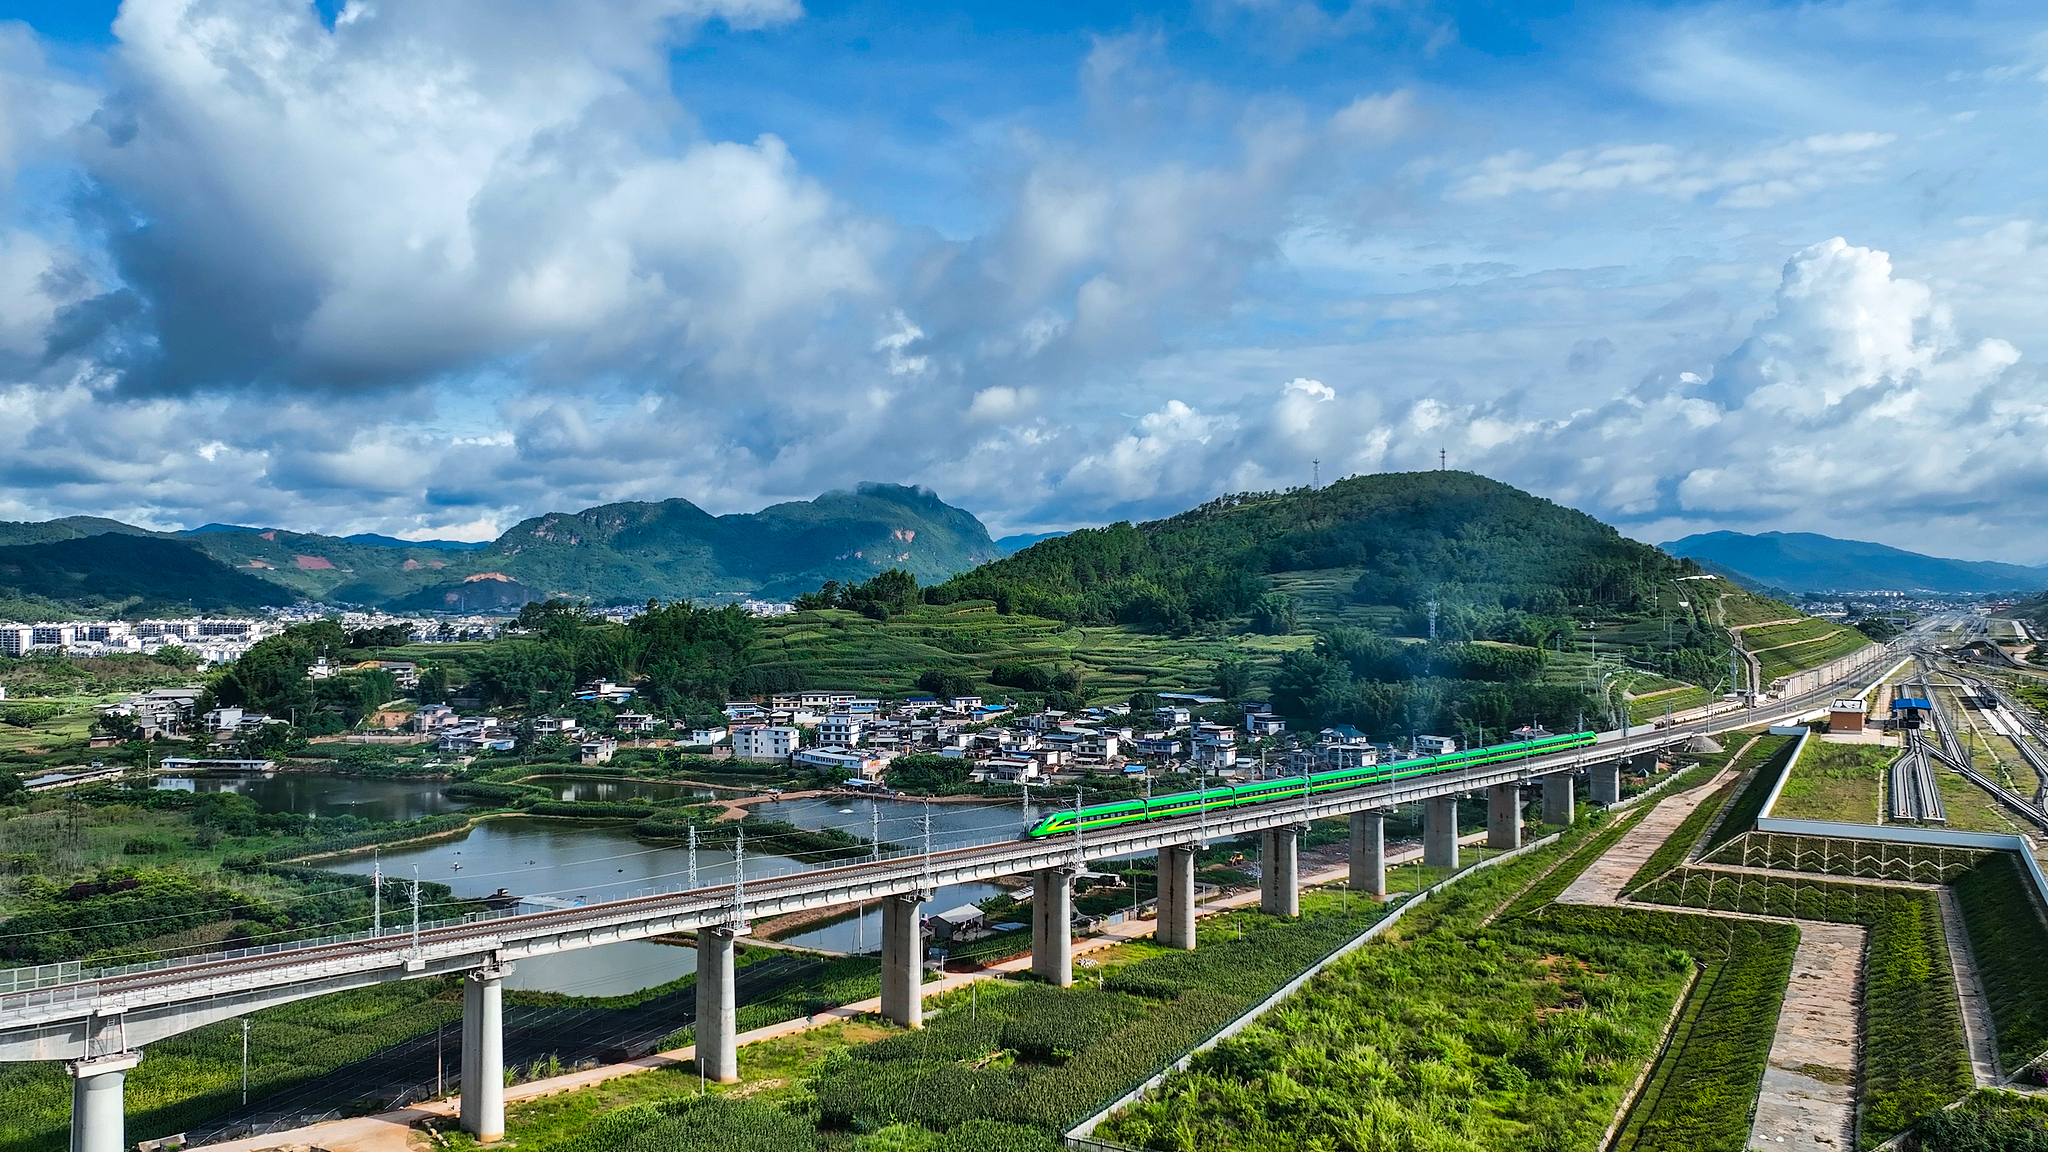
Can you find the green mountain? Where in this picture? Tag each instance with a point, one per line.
(627, 552)
(1401, 540)
(1809, 562)
(616, 553)
(67, 528)
(125, 573)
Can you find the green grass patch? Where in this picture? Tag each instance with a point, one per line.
(1836, 782)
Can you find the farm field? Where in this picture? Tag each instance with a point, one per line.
(847, 650)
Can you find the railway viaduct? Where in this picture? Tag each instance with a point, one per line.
(99, 1022)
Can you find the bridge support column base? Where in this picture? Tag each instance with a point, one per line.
(1504, 816)
(718, 1050)
(1052, 925)
(98, 1116)
(902, 960)
(1606, 779)
(1559, 799)
(483, 1053)
(1440, 832)
(1176, 897)
(1280, 872)
(1369, 853)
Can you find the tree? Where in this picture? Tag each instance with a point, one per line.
(944, 684)
(434, 684)
(1276, 614)
(12, 790)
(123, 728)
(1233, 678)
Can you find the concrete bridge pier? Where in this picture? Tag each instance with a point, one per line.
(718, 1050)
(1504, 816)
(483, 1053)
(1559, 800)
(1052, 925)
(1280, 871)
(902, 960)
(98, 1115)
(1607, 782)
(1440, 832)
(1369, 853)
(1176, 897)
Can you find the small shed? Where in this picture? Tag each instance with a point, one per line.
(1846, 715)
(959, 925)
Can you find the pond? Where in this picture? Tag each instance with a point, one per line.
(581, 863)
(328, 794)
(609, 791)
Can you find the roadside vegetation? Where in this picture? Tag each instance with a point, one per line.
(1915, 1059)
(2010, 946)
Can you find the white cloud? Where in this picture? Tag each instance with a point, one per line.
(1757, 179)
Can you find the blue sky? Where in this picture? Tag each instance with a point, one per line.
(428, 268)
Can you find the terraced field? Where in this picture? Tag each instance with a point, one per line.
(848, 650)
(1783, 649)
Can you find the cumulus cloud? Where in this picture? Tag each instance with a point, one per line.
(425, 186)
(444, 265)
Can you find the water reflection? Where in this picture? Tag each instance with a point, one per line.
(580, 788)
(328, 794)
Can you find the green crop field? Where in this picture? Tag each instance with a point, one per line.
(847, 650)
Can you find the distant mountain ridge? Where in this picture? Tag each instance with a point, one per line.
(614, 553)
(1811, 562)
(128, 573)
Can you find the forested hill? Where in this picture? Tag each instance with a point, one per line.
(1412, 537)
(116, 572)
(614, 553)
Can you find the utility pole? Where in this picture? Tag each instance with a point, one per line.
(245, 1060)
(1080, 855)
(377, 897)
(928, 885)
(415, 910)
(693, 857)
(1317, 482)
(875, 833)
(1443, 456)
(739, 876)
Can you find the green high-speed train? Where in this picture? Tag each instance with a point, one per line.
(1290, 788)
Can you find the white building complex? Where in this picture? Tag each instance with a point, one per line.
(216, 640)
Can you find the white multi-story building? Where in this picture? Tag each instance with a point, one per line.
(842, 730)
(218, 641)
(763, 742)
(1435, 745)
